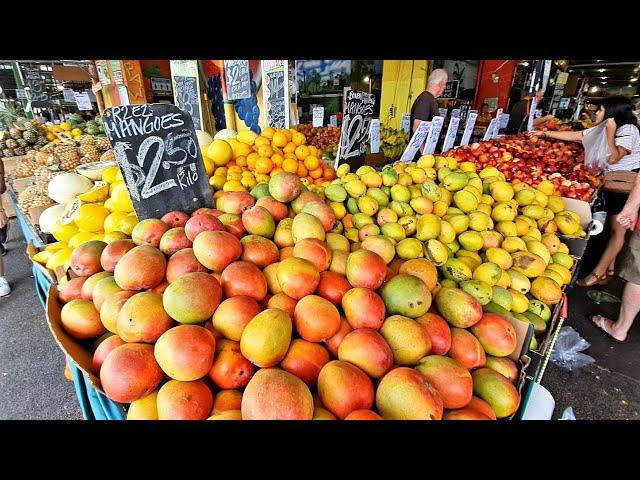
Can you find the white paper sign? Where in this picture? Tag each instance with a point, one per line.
(442, 112)
(375, 135)
(83, 101)
(333, 121)
(468, 128)
(68, 95)
(489, 133)
(451, 133)
(406, 121)
(532, 112)
(434, 135)
(455, 113)
(504, 120)
(318, 116)
(416, 142)
(564, 102)
(21, 93)
(496, 127)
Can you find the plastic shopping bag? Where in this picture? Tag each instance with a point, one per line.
(596, 148)
(566, 353)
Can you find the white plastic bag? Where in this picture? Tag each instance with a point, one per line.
(568, 414)
(566, 353)
(596, 148)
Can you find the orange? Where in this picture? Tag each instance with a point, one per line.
(302, 170)
(264, 165)
(241, 161)
(265, 151)
(278, 150)
(269, 132)
(290, 165)
(252, 158)
(302, 152)
(290, 147)
(298, 138)
(276, 170)
(277, 159)
(261, 141)
(329, 173)
(279, 139)
(288, 134)
(312, 150)
(291, 155)
(311, 162)
(315, 174)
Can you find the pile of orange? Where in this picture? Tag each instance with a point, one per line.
(279, 150)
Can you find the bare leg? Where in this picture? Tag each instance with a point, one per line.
(608, 258)
(628, 311)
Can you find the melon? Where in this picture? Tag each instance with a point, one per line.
(65, 187)
(204, 139)
(223, 134)
(49, 217)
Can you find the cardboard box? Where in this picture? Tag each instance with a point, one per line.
(52, 276)
(19, 184)
(7, 205)
(10, 164)
(619, 182)
(576, 245)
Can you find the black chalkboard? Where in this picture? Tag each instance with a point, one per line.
(356, 123)
(451, 89)
(37, 93)
(187, 93)
(238, 78)
(276, 102)
(157, 151)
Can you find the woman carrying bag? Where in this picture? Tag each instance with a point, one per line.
(5, 289)
(623, 141)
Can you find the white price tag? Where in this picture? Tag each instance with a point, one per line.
(504, 120)
(333, 121)
(406, 122)
(434, 135)
(318, 116)
(532, 112)
(468, 128)
(489, 133)
(83, 101)
(68, 95)
(442, 112)
(451, 133)
(375, 135)
(496, 127)
(455, 113)
(416, 142)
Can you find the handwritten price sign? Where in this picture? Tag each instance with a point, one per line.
(356, 125)
(417, 140)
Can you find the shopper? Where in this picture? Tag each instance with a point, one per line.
(519, 113)
(425, 106)
(628, 269)
(5, 289)
(623, 137)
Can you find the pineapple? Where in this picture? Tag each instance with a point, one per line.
(87, 140)
(26, 168)
(15, 134)
(103, 143)
(7, 152)
(11, 143)
(20, 151)
(90, 151)
(30, 136)
(108, 156)
(70, 162)
(42, 157)
(22, 142)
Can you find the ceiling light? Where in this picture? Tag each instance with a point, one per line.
(603, 83)
(366, 79)
(598, 60)
(525, 64)
(601, 70)
(604, 78)
(594, 89)
(633, 79)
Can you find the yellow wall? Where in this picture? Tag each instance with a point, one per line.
(402, 82)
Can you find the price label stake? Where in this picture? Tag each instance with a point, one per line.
(375, 136)
(468, 128)
(333, 121)
(417, 140)
(532, 113)
(442, 112)
(406, 121)
(318, 116)
(489, 133)
(450, 138)
(434, 135)
(157, 150)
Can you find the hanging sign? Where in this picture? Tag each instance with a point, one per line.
(275, 92)
(434, 134)
(238, 79)
(69, 95)
(21, 94)
(451, 89)
(417, 140)
(468, 128)
(37, 92)
(83, 101)
(157, 151)
(188, 98)
(356, 124)
(375, 135)
(452, 131)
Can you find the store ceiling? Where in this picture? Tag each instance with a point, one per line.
(607, 72)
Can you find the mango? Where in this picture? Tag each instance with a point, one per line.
(477, 289)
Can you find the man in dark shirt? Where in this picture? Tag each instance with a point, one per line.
(425, 106)
(519, 114)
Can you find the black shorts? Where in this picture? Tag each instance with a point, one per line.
(3, 233)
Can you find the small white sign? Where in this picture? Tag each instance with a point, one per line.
(21, 93)
(406, 122)
(416, 142)
(318, 116)
(532, 112)
(442, 112)
(333, 121)
(451, 134)
(375, 135)
(489, 133)
(69, 95)
(434, 134)
(504, 120)
(455, 113)
(564, 102)
(496, 127)
(468, 128)
(83, 101)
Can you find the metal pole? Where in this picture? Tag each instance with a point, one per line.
(17, 75)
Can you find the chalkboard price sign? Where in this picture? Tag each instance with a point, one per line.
(157, 151)
(238, 78)
(356, 125)
(276, 93)
(33, 79)
(451, 89)
(187, 94)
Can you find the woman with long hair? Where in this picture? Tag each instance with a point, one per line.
(623, 138)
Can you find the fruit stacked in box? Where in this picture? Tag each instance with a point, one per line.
(533, 160)
(325, 139)
(379, 295)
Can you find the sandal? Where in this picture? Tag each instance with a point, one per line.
(584, 282)
(601, 327)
